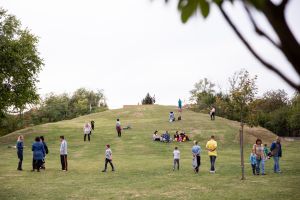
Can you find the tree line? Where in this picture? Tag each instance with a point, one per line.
(273, 110)
(53, 108)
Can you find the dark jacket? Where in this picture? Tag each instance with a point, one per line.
(276, 149)
(46, 147)
(38, 151)
(20, 149)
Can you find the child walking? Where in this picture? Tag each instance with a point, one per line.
(176, 154)
(253, 162)
(108, 158)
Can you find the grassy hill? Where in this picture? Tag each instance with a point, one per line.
(144, 167)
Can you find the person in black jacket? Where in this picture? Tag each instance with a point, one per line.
(46, 151)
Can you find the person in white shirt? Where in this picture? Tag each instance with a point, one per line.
(87, 130)
(176, 154)
(63, 153)
(108, 158)
(212, 113)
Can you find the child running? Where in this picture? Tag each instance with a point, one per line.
(176, 154)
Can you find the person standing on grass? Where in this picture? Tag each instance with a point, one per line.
(119, 128)
(108, 158)
(87, 131)
(63, 153)
(276, 152)
(196, 150)
(212, 113)
(46, 151)
(253, 162)
(38, 154)
(258, 150)
(211, 146)
(20, 146)
(176, 155)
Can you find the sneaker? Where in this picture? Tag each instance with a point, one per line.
(263, 174)
(103, 170)
(113, 170)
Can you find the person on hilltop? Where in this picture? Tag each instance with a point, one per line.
(119, 128)
(258, 150)
(196, 150)
(87, 130)
(179, 108)
(46, 151)
(38, 154)
(211, 146)
(63, 153)
(108, 158)
(155, 136)
(276, 152)
(171, 116)
(20, 147)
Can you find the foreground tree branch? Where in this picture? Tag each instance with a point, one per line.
(266, 64)
(258, 30)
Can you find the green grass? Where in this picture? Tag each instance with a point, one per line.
(144, 167)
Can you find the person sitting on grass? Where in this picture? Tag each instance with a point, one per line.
(172, 116)
(165, 137)
(253, 162)
(184, 137)
(176, 137)
(155, 136)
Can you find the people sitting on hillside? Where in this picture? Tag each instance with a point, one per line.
(176, 136)
(165, 137)
(155, 136)
(172, 116)
(182, 137)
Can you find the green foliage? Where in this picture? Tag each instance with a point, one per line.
(148, 100)
(19, 65)
(190, 7)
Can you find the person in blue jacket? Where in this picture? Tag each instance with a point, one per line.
(196, 150)
(20, 147)
(276, 152)
(38, 154)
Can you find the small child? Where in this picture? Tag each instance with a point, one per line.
(253, 162)
(176, 154)
(266, 152)
(108, 158)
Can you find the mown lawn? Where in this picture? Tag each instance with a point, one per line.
(143, 167)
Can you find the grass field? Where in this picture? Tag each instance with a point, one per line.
(143, 167)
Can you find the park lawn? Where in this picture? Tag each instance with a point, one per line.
(143, 167)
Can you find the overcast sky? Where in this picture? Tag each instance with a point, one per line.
(131, 47)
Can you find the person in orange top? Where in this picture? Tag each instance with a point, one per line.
(211, 147)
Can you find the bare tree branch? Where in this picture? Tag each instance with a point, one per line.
(258, 30)
(266, 64)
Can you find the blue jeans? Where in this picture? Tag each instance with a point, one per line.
(262, 166)
(258, 161)
(276, 164)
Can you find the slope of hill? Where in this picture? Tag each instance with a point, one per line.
(143, 167)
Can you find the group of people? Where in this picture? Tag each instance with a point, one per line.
(260, 154)
(211, 147)
(87, 130)
(39, 149)
(166, 137)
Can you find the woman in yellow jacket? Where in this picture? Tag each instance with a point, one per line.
(211, 146)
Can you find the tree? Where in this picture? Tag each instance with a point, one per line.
(203, 93)
(20, 64)
(275, 15)
(242, 92)
(148, 100)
